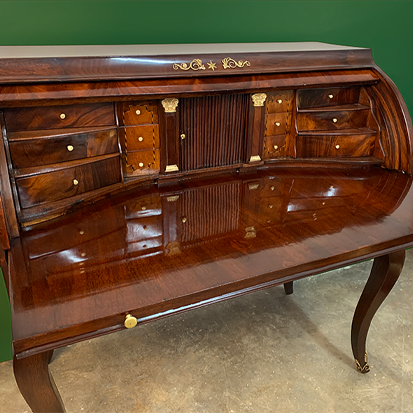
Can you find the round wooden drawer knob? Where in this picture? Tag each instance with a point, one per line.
(140, 139)
(130, 321)
(75, 182)
(69, 148)
(337, 146)
(138, 112)
(62, 116)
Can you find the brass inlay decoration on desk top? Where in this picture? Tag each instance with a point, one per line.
(230, 63)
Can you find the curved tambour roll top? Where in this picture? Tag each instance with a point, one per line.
(83, 123)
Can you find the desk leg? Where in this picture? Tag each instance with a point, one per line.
(384, 274)
(289, 287)
(36, 383)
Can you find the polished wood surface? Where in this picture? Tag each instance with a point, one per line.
(145, 184)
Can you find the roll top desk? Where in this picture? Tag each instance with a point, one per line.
(141, 181)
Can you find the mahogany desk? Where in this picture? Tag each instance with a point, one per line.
(141, 181)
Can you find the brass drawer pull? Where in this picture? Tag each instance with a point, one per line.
(183, 136)
(130, 321)
(69, 148)
(62, 116)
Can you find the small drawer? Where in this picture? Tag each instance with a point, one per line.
(138, 114)
(335, 146)
(274, 187)
(313, 98)
(37, 152)
(144, 228)
(144, 207)
(141, 247)
(138, 138)
(275, 145)
(279, 101)
(332, 120)
(62, 184)
(141, 162)
(55, 117)
(272, 208)
(277, 123)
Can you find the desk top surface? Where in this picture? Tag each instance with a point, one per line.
(152, 250)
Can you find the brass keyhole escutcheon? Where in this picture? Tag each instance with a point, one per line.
(183, 136)
(130, 321)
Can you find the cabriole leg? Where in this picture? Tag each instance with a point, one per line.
(384, 274)
(36, 383)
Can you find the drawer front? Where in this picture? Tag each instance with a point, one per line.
(144, 228)
(138, 138)
(335, 146)
(276, 123)
(55, 117)
(312, 98)
(333, 120)
(275, 145)
(138, 114)
(37, 152)
(57, 185)
(279, 101)
(143, 161)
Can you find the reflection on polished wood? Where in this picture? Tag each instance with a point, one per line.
(131, 191)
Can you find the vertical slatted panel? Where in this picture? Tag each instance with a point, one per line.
(210, 211)
(215, 129)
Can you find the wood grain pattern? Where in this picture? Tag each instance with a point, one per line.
(36, 152)
(215, 128)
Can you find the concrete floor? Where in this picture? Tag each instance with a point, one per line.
(260, 353)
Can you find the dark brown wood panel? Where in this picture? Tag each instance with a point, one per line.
(27, 153)
(335, 146)
(214, 129)
(314, 98)
(275, 146)
(137, 113)
(277, 123)
(332, 120)
(279, 101)
(55, 117)
(69, 182)
(142, 162)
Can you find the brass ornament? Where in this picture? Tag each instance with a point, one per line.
(170, 105)
(172, 198)
(255, 158)
(258, 99)
(250, 232)
(366, 367)
(171, 168)
(196, 64)
(212, 65)
(230, 63)
(251, 187)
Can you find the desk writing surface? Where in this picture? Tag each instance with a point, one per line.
(154, 250)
